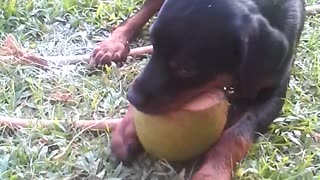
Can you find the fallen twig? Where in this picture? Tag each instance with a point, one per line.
(74, 59)
(13, 52)
(82, 124)
(312, 10)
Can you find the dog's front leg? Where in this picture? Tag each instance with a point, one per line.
(236, 141)
(116, 47)
(125, 144)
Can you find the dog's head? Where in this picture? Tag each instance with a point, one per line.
(200, 45)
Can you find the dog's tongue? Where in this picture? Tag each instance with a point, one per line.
(204, 101)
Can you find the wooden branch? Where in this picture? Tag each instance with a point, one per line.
(312, 10)
(141, 51)
(16, 53)
(27, 58)
(74, 59)
(103, 124)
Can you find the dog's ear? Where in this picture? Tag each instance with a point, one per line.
(263, 49)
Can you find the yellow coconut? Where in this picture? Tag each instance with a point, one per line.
(185, 134)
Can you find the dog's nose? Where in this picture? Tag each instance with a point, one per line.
(137, 99)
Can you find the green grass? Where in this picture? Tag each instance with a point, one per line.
(290, 150)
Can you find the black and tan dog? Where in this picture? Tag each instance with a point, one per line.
(245, 44)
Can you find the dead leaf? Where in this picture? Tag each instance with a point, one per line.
(61, 96)
(315, 136)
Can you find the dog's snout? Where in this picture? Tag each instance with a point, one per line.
(136, 98)
(149, 86)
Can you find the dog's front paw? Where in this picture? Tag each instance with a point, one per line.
(208, 172)
(114, 49)
(125, 145)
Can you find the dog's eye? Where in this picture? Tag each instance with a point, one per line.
(180, 71)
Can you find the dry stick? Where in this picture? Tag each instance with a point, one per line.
(141, 50)
(135, 52)
(93, 124)
(16, 54)
(312, 10)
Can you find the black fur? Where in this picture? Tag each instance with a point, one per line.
(254, 41)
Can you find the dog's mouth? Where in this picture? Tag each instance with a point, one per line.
(156, 107)
(153, 111)
(199, 102)
(192, 100)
